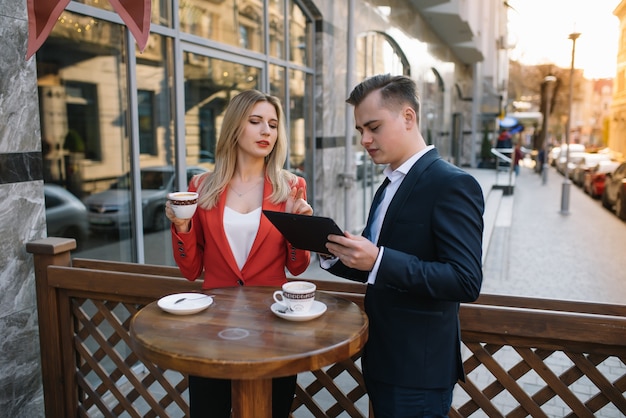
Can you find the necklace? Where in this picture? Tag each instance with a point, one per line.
(247, 191)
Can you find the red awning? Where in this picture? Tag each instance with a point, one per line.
(43, 14)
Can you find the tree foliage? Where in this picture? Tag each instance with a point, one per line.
(526, 85)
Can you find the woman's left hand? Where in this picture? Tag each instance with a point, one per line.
(297, 204)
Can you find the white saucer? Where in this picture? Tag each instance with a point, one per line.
(193, 303)
(317, 309)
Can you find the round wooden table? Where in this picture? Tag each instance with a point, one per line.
(239, 338)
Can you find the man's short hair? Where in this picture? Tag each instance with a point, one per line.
(395, 90)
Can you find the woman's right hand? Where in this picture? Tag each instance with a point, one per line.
(181, 225)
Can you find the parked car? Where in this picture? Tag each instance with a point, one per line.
(614, 194)
(574, 158)
(559, 153)
(66, 215)
(593, 184)
(584, 165)
(110, 210)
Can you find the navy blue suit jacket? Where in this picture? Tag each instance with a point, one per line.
(432, 234)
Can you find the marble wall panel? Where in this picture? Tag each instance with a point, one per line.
(13, 9)
(19, 108)
(21, 220)
(21, 393)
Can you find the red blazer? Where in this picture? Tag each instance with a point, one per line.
(205, 247)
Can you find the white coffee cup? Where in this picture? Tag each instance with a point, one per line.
(297, 296)
(183, 204)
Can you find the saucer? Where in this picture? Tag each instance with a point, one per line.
(193, 303)
(317, 309)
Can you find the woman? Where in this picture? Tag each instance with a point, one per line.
(230, 239)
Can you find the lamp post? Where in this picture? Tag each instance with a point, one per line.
(547, 81)
(566, 183)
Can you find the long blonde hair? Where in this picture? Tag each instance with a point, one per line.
(212, 185)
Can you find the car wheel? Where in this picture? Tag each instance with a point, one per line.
(159, 220)
(620, 207)
(605, 200)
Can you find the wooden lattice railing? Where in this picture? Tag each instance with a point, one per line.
(523, 357)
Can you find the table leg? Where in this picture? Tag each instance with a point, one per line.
(252, 398)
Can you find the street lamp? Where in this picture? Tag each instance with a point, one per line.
(547, 81)
(566, 183)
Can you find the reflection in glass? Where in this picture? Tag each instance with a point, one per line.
(277, 28)
(233, 22)
(300, 121)
(300, 35)
(209, 85)
(81, 75)
(161, 9)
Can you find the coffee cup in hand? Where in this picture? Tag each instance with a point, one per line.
(183, 204)
(296, 296)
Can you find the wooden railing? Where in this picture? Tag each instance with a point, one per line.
(523, 357)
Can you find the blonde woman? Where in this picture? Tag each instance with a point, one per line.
(229, 241)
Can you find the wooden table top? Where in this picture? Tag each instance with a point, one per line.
(238, 336)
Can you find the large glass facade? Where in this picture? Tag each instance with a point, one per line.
(118, 124)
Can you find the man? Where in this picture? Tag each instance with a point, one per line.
(420, 253)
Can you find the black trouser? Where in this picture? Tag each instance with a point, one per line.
(211, 398)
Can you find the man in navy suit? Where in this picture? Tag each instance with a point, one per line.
(420, 253)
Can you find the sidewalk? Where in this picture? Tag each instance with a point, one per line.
(536, 251)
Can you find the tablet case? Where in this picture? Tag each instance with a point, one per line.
(304, 232)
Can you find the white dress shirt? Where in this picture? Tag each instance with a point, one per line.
(395, 180)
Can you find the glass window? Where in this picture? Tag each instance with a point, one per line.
(300, 120)
(161, 9)
(83, 134)
(81, 74)
(233, 22)
(88, 125)
(145, 111)
(300, 35)
(209, 85)
(277, 28)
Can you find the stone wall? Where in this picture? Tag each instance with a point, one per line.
(22, 218)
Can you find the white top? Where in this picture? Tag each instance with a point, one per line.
(241, 229)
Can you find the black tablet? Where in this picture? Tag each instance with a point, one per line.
(304, 232)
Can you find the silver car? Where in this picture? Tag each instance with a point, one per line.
(110, 210)
(66, 215)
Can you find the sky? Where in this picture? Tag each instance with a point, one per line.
(539, 34)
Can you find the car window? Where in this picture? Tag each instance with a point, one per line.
(155, 180)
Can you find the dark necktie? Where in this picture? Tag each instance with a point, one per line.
(378, 198)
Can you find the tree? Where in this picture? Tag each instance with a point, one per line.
(525, 86)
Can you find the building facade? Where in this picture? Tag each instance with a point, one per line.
(118, 128)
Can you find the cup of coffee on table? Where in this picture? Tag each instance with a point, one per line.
(296, 296)
(183, 204)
